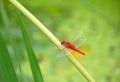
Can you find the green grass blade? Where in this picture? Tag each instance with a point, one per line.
(31, 56)
(6, 63)
(11, 40)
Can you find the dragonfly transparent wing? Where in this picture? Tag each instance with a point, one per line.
(62, 53)
(80, 42)
(76, 36)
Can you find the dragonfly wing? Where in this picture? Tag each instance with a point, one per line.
(61, 53)
(80, 42)
(76, 36)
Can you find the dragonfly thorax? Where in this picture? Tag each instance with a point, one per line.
(66, 44)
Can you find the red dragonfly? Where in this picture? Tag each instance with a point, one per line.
(71, 46)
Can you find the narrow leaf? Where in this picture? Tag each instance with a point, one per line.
(6, 63)
(31, 56)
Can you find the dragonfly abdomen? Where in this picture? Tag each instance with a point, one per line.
(74, 49)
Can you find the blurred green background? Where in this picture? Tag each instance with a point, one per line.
(100, 21)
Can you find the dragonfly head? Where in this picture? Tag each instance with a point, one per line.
(63, 42)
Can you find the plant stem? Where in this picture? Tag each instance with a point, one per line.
(80, 68)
